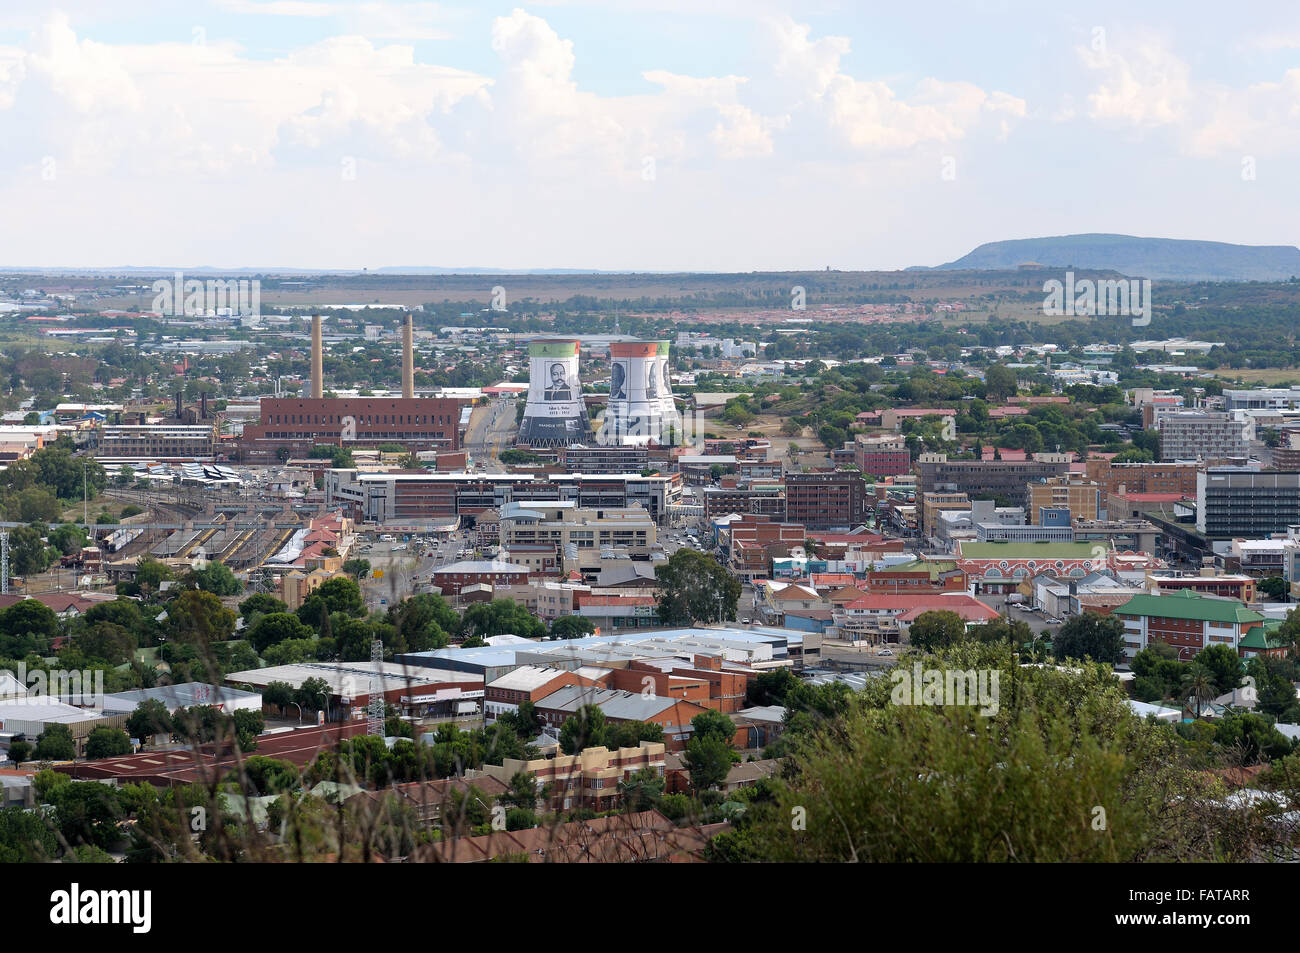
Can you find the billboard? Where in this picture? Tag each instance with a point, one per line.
(555, 414)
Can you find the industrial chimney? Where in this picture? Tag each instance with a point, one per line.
(317, 359)
(203, 405)
(178, 405)
(408, 358)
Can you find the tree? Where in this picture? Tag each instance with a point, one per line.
(585, 728)
(1198, 684)
(641, 791)
(313, 694)
(695, 587)
(198, 618)
(936, 629)
(279, 694)
(150, 575)
(708, 760)
(357, 568)
(1091, 635)
(217, 578)
(342, 594)
(105, 742)
(150, 718)
(261, 603)
(713, 724)
(19, 750)
(501, 617)
(248, 725)
(110, 642)
(999, 381)
(1275, 587)
(68, 538)
(25, 626)
(572, 627)
(28, 553)
(1223, 666)
(276, 628)
(630, 734)
(770, 688)
(55, 744)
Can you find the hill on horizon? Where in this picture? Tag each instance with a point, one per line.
(1157, 258)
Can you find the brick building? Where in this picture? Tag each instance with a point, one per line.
(825, 500)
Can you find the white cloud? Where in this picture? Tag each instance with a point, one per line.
(1149, 86)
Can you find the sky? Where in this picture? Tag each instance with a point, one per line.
(635, 135)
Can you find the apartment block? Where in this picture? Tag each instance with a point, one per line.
(881, 454)
(1246, 502)
(825, 500)
(159, 441)
(1205, 435)
(1083, 498)
(589, 779)
(1004, 479)
(1186, 621)
(1126, 478)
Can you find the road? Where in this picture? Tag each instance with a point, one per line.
(491, 430)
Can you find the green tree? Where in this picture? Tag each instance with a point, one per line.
(1091, 635)
(357, 568)
(112, 643)
(641, 791)
(105, 742)
(55, 744)
(1275, 587)
(28, 553)
(708, 760)
(585, 728)
(713, 724)
(260, 604)
(1223, 664)
(25, 626)
(217, 578)
(936, 629)
(694, 587)
(198, 618)
(150, 718)
(572, 627)
(275, 628)
(68, 538)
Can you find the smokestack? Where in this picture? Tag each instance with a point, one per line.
(203, 405)
(408, 358)
(317, 358)
(178, 405)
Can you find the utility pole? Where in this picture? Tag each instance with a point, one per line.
(85, 494)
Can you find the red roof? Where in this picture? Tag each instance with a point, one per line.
(1152, 497)
(959, 602)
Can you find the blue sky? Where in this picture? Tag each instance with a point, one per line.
(649, 135)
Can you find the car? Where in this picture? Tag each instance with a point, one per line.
(888, 652)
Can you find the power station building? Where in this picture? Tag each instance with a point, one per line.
(291, 426)
(641, 410)
(555, 414)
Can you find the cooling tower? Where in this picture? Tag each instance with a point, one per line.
(640, 409)
(555, 415)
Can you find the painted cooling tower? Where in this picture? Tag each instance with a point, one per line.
(640, 409)
(556, 415)
(670, 421)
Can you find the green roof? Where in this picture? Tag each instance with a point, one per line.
(1188, 605)
(1044, 550)
(1261, 637)
(934, 567)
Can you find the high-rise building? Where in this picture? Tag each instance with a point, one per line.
(1246, 502)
